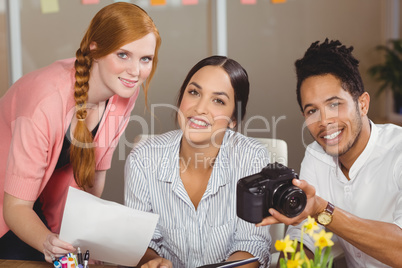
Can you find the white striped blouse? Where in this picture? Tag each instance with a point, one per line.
(186, 236)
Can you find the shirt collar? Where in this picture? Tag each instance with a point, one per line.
(219, 176)
(362, 159)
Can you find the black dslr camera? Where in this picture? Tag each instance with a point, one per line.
(271, 188)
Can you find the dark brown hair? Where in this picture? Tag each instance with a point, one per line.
(238, 78)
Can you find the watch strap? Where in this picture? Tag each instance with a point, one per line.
(325, 217)
(330, 208)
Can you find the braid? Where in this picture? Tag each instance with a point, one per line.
(82, 152)
(112, 27)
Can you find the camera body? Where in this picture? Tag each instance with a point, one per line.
(270, 188)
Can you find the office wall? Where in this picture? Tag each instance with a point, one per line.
(265, 38)
(3, 49)
(268, 39)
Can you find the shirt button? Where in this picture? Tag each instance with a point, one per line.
(347, 189)
(358, 255)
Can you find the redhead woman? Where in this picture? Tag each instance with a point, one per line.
(60, 125)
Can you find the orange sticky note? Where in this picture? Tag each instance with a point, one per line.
(89, 2)
(158, 2)
(189, 2)
(278, 1)
(248, 2)
(49, 6)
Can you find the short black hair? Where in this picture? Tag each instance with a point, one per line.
(330, 57)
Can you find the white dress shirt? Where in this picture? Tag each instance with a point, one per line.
(186, 236)
(374, 191)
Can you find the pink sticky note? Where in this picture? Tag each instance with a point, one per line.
(89, 2)
(158, 2)
(248, 2)
(189, 2)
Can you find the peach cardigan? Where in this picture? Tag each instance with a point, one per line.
(34, 116)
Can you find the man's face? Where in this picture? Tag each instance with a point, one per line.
(333, 118)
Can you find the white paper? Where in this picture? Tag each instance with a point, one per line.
(110, 231)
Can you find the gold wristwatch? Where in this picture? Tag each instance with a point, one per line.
(324, 218)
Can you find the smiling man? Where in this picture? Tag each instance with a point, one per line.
(352, 172)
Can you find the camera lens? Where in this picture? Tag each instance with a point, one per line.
(289, 200)
(294, 202)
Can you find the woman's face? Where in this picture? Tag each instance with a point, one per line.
(123, 71)
(207, 106)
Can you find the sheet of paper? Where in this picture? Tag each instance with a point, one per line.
(110, 231)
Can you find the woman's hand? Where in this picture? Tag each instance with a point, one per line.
(25, 223)
(55, 248)
(158, 263)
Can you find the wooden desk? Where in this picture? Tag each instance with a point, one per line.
(37, 264)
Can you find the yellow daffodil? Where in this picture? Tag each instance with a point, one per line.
(310, 226)
(299, 259)
(296, 263)
(323, 239)
(284, 245)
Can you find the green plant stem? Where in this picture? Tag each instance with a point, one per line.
(317, 256)
(326, 255)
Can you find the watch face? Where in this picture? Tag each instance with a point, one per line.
(324, 218)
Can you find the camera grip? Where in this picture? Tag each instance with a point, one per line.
(250, 207)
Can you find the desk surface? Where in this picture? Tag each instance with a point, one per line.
(37, 264)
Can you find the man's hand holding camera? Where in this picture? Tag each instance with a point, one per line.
(276, 195)
(315, 205)
(270, 188)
